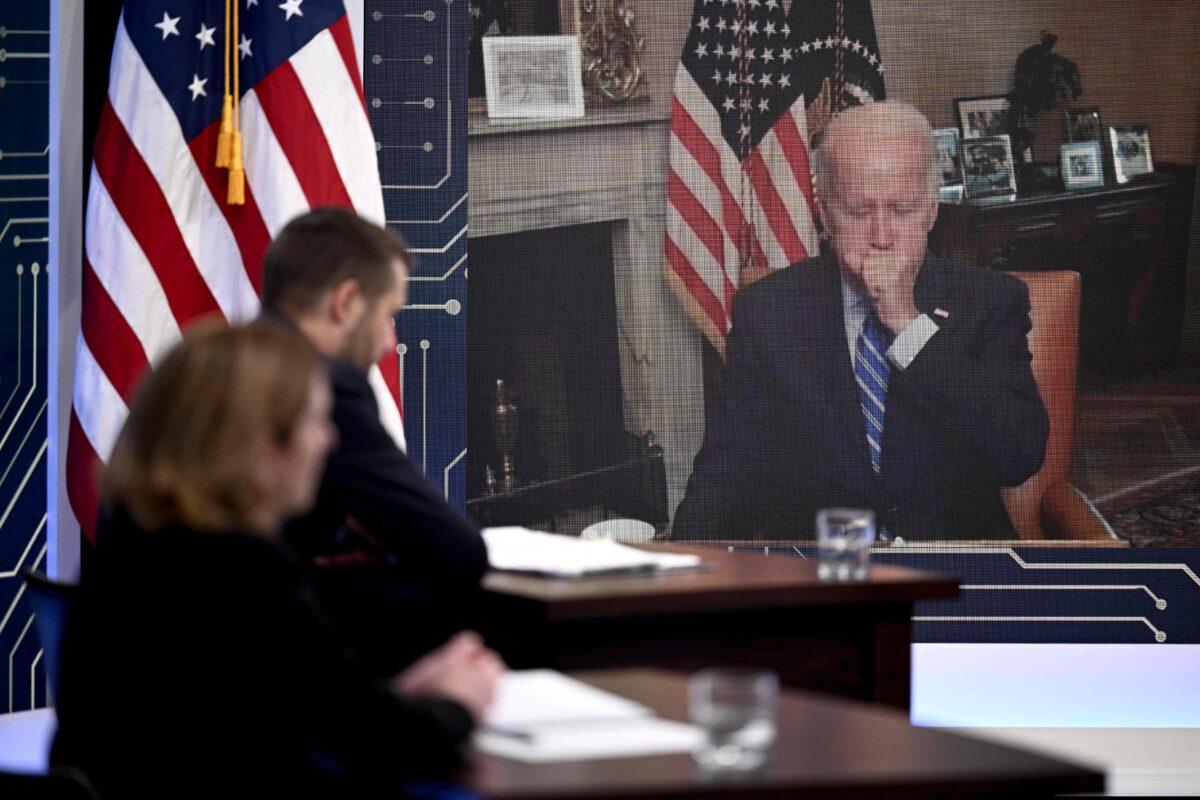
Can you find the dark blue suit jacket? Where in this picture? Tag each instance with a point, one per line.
(432, 556)
(785, 437)
(367, 477)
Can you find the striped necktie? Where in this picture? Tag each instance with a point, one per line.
(871, 370)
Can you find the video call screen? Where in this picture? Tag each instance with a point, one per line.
(658, 292)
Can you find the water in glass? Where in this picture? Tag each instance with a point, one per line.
(844, 538)
(736, 708)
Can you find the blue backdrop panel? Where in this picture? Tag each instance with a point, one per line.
(1067, 595)
(1064, 595)
(24, 289)
(415, 54)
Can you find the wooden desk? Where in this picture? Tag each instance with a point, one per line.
(851, 639)
(825, 747)
(1127, 241)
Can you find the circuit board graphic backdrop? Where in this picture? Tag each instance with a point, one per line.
(1050, 595)
(415, 55)
(24, 292)
(415, 78)
(1067, 595)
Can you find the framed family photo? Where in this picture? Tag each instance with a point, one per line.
(1130, 151)
(1081, 165)
(1083, 125)
(533, 77)
(988, 168)
(981, 116)
(949, 159)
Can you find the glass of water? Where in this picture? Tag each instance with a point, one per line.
(844, 538)
(736, 708)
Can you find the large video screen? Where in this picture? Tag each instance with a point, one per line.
(707, 306)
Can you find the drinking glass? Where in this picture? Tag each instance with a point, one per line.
(844, 537)
(736, 708)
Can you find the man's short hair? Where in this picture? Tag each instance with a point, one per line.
(884, 118)
(318, 250)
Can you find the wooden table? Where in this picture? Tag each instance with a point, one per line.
(826, 747)
(753, 610)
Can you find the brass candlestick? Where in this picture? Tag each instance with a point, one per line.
(504, 429)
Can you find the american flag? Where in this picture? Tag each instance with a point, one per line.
(756, 80)
(488, 18)
(163, 247)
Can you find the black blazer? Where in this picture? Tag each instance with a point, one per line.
(198, 664)
(785, 437)
(409, 522)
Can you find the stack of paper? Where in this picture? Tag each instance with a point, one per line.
(522, 550)
(542, 716)
(536, 697)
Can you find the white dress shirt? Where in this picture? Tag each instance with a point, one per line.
(906, 344)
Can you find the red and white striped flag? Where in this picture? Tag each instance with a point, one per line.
(739, 190)
(163, 244)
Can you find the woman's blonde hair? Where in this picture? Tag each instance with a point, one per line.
(189, 448)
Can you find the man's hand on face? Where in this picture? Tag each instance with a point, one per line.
(889, 282)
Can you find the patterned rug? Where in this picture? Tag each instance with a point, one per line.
(1137, 457)
(1172, 521)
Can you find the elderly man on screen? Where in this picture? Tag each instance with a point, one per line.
(879, 377)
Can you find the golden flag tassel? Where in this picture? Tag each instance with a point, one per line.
(223, 138)
(237, 172)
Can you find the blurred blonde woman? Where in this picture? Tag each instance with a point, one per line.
(196, 659)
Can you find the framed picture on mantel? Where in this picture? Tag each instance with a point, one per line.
(533, 77)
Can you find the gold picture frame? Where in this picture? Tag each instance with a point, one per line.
(612, 48)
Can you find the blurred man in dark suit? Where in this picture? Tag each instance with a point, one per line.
(878, 377)
(387, 546)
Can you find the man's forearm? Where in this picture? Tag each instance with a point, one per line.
(991, 409)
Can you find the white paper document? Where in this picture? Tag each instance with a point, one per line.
(529, 698)
(542, 716)
(522, 550)
(650, 736)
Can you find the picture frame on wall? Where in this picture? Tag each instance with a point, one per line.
(1130, 147)
(533, 77)
(982, 116)
(1081, 165)
(1082, 125)
(949, 159)
(988, 171)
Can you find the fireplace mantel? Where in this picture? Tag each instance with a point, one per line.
(611, 167)
(634, 113)
(607, 166)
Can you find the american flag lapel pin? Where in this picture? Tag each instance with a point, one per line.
(941, 312)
